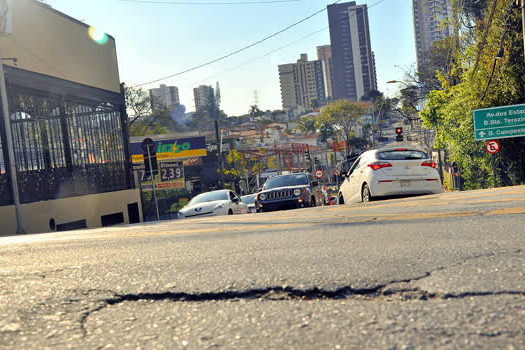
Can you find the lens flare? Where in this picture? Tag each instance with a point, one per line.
(97, 36)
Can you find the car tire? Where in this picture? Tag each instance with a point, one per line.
(365, 194)
(341, 200)
(230, 212)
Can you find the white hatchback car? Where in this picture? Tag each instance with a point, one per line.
(221, 202)
(389, 172)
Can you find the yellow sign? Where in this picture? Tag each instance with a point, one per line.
(171, 155)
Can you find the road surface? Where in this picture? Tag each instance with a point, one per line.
(441, 271)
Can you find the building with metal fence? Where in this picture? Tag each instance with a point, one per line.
(68, 126)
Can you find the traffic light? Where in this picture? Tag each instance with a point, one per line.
(307, 155)
(399, 134)
(154, 164)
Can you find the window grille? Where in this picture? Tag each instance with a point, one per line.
(64, 148)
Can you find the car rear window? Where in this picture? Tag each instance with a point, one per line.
(401, 155)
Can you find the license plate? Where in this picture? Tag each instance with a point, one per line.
(404, 183)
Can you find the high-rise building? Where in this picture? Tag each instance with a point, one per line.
(324, 53)
(352, 56)
(167, 96)
(204, 98)
(429, 27)
(302, 82)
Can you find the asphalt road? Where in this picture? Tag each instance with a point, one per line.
(442, 271)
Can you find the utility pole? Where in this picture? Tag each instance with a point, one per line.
(523, 24)
(11, 165)
(219, 154)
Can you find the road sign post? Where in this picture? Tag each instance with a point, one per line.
(492, 147)
(148, 146)
(499, 122)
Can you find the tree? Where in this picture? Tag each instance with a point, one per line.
(255, 111)
(480, 81)
(372, 95)
(307, 125)
(244, 165)
(146, 117)
(343, 118)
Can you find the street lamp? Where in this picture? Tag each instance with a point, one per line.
(398, 81)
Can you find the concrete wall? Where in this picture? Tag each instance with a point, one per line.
(48, 42)
(36, 216)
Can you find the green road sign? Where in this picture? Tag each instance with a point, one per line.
(499, 122)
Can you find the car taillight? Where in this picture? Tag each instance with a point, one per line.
(430, 164)
(379, 165)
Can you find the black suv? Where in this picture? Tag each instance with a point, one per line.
(290, 191)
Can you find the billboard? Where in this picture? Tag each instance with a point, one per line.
(172, 149)
(171, 176)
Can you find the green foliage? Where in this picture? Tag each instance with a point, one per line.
(341, 120)
(307, 125)
(146, 117)
(372, 96)
(449, 109)
(242, 164)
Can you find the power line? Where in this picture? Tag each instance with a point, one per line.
(211, 3)
(237, 51)
(275, 50)
(272, 51)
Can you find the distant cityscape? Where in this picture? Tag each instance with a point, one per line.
(345, 69)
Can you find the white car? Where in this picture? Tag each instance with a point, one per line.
(221, 202)
(249, 200)
(389, 172)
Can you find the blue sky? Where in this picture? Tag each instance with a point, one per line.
(156, 40)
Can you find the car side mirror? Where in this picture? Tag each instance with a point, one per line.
(235, 200)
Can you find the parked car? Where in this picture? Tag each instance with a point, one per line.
(388, 172)
(289, 191)
(249, 200)
(221, 202)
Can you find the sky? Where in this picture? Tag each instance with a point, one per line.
(155, 40)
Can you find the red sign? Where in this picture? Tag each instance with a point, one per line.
(318, 173)
(492, 146)
(336, 172)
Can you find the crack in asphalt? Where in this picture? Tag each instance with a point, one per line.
(385, 291)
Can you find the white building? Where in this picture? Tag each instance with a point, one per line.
(167, 96)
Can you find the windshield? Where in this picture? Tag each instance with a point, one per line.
(249, 199)
(401, 155)
(285, 180)
(209, 197)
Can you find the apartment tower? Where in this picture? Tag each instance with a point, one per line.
(429, 26)
(204, 98)
(352, 56)
(324, 53)
(166, 96)
(302, 83)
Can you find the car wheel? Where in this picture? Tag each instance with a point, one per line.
(312, 202)
(230, 212)
(341, 199)
(365, 194)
